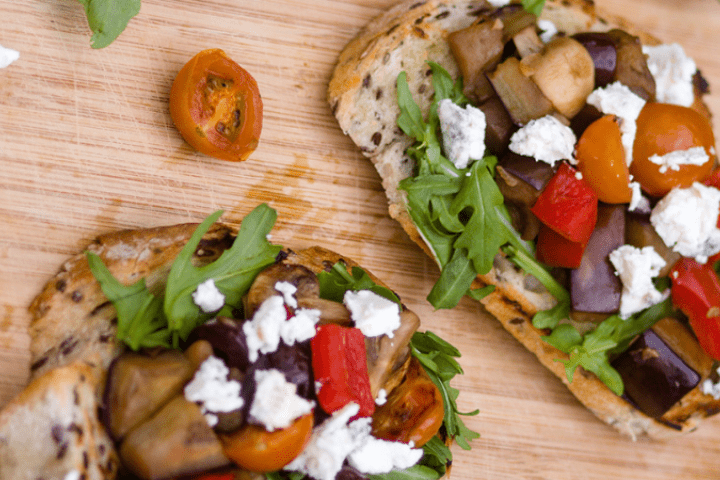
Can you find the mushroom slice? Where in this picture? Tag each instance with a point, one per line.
(264, 285)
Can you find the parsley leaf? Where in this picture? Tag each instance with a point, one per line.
(233, 272)
(108, 18)
(438, 358)
(336, 282)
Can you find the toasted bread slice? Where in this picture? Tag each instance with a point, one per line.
(362, 96)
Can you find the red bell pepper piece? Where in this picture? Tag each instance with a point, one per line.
(568, 205)
(339, 364)
(696, 292)
(554, 250)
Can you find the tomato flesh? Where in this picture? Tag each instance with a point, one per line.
(662, 129)
(601, 160)
(216, 106)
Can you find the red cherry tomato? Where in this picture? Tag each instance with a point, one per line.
(255, 449)
(664, 128)
(601, 160)
(696, 292)
(216, 106)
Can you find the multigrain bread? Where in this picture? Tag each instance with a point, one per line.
(362, 97)
(53, 430)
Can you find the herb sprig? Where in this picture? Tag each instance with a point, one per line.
(108, 18)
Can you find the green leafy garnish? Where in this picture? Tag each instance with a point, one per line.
(534, 6)
(108, 18)
(336, 282)
(146, 320)
(438, 358)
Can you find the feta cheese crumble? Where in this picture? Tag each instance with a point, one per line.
(270, 324)
(636, 268)
(334, 441)
(617, 99)
(638, 202)
(381, 398)
(8, 56)
(276, 403)
(712, 388)
(373, 315)
(545, 139)
(674, 160)
(287, 290)
(211, 389)
(548, 30)
(463, 132)
(208, 297)
(686, 220)
(673, 72)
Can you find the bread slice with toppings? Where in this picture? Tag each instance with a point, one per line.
(362, 96)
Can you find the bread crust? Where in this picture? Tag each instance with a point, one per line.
(361, 94)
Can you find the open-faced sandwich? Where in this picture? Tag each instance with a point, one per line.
(207, 352)
(561, 169)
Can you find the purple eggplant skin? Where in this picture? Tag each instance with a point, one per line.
(227, 339)
(603, 52)
(537, 174)
(594, 287)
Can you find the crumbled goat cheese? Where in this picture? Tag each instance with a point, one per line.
(287, 290)
(211, 389)
(673, 160)
(673, 72)
(73, 475)
(330, 444)
(636, 268)
(499, 3)
(270, 324)
(373, 315)
(617, 99)
(463, 132)
(712, 388)
(276, 403)
(375, 456)
(548, 30)
(545, 139)
(686, 220)
(7, 56)
(638, 202)
(382, 397)
(208, 297)
(335, 440)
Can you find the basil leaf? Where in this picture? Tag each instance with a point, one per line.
(108, 18)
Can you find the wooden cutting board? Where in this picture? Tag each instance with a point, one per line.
(87, 146)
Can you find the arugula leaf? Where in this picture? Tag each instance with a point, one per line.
(534, 6)
(438, 358)
(139, 312)
(335, 283)
(108, 18)
(233, 272)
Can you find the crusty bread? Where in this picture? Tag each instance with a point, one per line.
(362, 96)
(52, 429)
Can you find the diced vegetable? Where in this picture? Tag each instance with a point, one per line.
(554, 250)
(521, 96)
(568, 205)
(601, 48)
(632, 69)
(340, 366)
(473, 61)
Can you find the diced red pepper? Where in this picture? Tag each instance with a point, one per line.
(339, 364)
(696, 292)
(554, 250)
(568, 205)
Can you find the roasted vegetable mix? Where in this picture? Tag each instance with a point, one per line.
(256, 363)
(593, 169)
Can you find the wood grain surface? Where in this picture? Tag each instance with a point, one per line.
(87, 146)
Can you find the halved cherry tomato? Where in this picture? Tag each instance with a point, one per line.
(696, 292)
(216, 106)
(601, 160)
(664, 128)
(255, 449)
(414, 410)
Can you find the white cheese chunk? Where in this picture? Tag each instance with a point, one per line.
(8, 56)
(499, 3)
(638, 202)
(712, 388)
(208, 297)
(636, 268)
(381, 397)
(211, 389)
(373, 315)
(548, 30)
(673, 72)
(674, 160)
(686, 220)
(276, 403)
(545, 139)
(463, 132)
(287, 290)
(617, 99)
(270, 324)
(375, 456)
